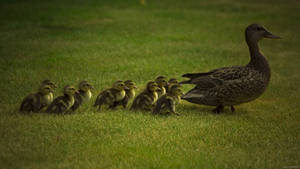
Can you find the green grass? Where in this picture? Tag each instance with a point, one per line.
(103, 41)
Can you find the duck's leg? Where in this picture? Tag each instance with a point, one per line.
(218, 109)
(232, 109)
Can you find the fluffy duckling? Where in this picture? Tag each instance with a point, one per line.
(171, 82)
(50, 95)
(111, 95)
(62, 104)
(83, 94)
(147, 99)
(130, 93)
(36, 101)
(166, 103)
(162, 84)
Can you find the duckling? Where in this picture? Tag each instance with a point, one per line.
(166, 103)
(130, 93)
(230, 86)
(111, 95)
(62, 104)
(147, 99)
(162, 84)
(35, 102)
(82, 95)
(49, 100)
(171, 82)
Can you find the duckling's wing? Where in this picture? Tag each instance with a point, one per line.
(57, 106)
(162, 102)
(146, 102)
(27, 104)
(77, 101)
(31, 103)
(104, 97)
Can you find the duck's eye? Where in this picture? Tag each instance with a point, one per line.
(259, 28)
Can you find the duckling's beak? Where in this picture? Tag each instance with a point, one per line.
(158, 89)
(92, 87)
(268, 34)
(181, 93)
(134, 87)
(51, 90)
(126, 88)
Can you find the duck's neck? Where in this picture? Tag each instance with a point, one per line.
(258, 61)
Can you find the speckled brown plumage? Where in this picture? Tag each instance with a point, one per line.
(231, 86)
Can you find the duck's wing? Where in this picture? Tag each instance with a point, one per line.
(59, 105)
(216, 77)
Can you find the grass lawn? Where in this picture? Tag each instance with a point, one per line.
(103, 41)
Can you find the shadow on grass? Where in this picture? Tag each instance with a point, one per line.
(61, 28)
(203, 110)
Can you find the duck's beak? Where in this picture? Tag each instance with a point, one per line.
(270, 35)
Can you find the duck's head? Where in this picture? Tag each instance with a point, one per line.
(130, 84)
(49, 82)
(119, 85)
(152, 86)
(85, 86)
(69, 90)
(176, 90)
(256, 32)
(161, 81)
(45, 89)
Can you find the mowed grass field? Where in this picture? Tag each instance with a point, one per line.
(103, 41)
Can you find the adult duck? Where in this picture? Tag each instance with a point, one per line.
(229, 86)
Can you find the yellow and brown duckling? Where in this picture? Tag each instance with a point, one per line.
(171, 82)
(162, 84)
(53, 86)
(230, 86)
(166, 104)
(111, 95)
(62, 104)
(35, 102)
(130, 93)
(83, 94)
(147, 99)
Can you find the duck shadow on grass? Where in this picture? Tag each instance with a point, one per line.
(59, 28)
(203, 110)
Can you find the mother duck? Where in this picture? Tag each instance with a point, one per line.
(229, 86)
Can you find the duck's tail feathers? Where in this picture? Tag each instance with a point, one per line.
(194, 75)
(185, 82)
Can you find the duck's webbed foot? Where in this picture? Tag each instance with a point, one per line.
(232, 109)
(218, 109)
